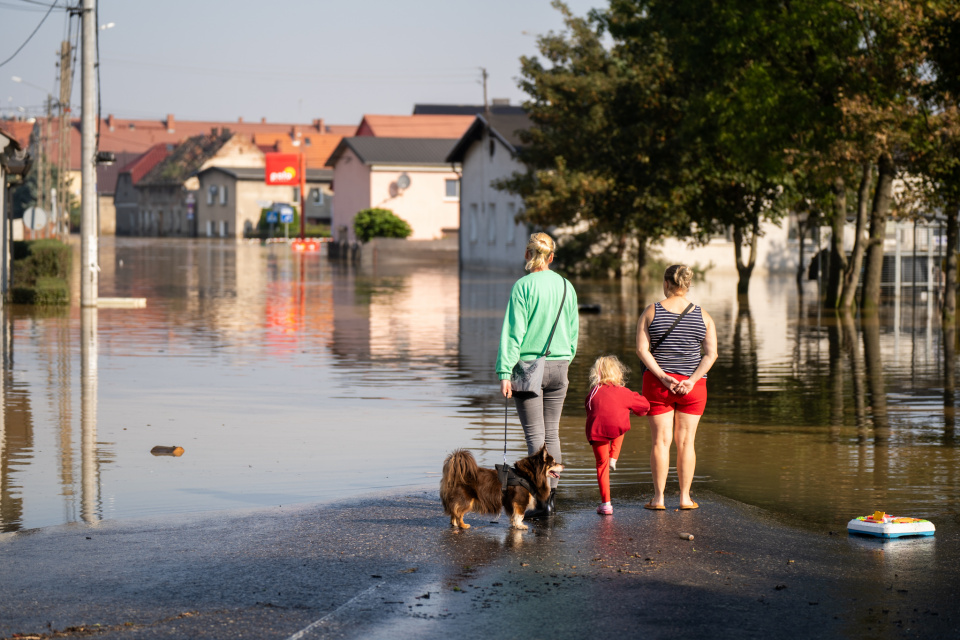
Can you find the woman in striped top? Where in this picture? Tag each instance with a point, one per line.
(675, 382)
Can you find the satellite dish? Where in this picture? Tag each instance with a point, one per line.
(403, 181)
(35, 218)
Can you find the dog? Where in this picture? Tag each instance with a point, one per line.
(465, 487)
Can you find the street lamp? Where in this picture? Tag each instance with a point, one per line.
(20, 80)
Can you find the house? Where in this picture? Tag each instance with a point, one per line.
(168, 193)
(107, 179)
(126, 199)
(415, 126)
(14, 160)
(230, 199)
(410, 176)
(490, 236)
(126, 136)
(498, 107)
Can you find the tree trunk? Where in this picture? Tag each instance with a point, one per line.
(745, 270)
(882, 197)
(838, 257)
(851, 275)
(950, 293)
(621, 248)
(802, 228)
(642, 259)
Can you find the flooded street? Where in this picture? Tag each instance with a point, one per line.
(289, 379)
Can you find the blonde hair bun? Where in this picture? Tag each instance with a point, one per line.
(679, 276)
(540, 247)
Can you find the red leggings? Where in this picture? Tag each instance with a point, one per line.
(604, 450)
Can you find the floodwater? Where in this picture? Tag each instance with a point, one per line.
(290, 379)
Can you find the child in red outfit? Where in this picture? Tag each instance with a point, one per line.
(608, 417)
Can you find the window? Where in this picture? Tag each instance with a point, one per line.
(491, 223)
(209, 228)
(511, 222)
(224, 227)
(212, 193)
(223, 194)
(473, 222)
(453, 189)
(306, 142)
(296, 194)
(316, 196)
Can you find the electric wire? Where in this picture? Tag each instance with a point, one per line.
(30, 37)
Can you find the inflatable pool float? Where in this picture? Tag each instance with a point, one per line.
(882, 525)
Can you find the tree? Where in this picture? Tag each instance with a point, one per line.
(601, 150)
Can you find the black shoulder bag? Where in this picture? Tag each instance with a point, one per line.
(528, 376)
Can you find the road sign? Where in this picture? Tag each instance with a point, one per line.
(35, 218)
(271, 216)
(286, 213)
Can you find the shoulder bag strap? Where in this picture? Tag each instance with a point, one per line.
(675, 323)
(546, 349)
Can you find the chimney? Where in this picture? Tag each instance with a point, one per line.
(239, 120)
(318, 124)
(110, 122)
(263, 121)
(171, 125)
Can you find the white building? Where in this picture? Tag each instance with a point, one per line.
(490, 236)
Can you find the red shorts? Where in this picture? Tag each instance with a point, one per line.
(662, 400)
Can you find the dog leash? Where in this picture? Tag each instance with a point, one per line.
(506, 405)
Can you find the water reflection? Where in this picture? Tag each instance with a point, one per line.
(288, 378)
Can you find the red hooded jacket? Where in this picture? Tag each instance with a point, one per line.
(608, 411)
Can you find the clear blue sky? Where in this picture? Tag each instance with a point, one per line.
(287, 61)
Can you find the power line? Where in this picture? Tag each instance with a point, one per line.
(30, 37)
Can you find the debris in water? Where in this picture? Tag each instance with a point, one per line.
(167, 451)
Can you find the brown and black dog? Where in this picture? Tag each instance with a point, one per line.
(465, 487)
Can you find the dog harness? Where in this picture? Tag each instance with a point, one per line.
(510, 478)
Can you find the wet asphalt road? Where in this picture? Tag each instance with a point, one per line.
(391, 567)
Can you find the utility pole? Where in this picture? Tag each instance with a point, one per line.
(62, 226)
(486, 105)
(89, 250)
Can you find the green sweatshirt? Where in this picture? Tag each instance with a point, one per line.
(533, 307)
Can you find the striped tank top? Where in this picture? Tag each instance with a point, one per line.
(680, 352)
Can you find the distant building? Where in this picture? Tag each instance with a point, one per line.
(168, 193)
(490, 236)
(136, 136)
(410, 176)
(126, 199)
(230, 199)
(498, 107)
(415, 126)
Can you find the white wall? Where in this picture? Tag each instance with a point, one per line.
(490, 237)
(351, 186)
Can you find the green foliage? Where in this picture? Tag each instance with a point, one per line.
(41, 271)
(380, 223)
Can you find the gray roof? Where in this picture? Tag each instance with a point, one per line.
(505, 128)
(373, 150)
(465, 109)
(257, 173)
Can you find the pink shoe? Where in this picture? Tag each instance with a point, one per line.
(605, 510)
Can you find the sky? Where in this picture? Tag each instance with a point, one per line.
(290, 61)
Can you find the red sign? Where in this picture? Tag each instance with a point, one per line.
(283, 169)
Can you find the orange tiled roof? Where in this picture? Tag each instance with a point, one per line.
(130, 135)
(142, 165)
(415, 126)
(317, 147)
(19, 130)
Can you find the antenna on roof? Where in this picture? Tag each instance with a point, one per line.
(486, 105)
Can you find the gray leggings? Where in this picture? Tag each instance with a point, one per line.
(540, 415)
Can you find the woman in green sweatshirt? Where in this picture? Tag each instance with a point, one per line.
(531, 313)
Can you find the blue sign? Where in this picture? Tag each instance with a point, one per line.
(271, 216)
(286, 213)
